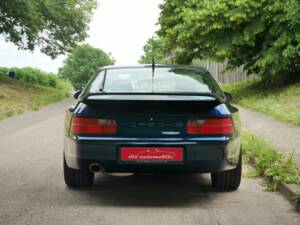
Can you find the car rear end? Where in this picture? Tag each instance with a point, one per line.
(152, 125)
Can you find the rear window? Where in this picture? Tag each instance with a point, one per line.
(165, 80)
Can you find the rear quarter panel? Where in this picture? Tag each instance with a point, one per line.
(233, 149)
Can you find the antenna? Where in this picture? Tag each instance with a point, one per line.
(153, 63)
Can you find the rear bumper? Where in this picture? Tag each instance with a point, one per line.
(206, 154)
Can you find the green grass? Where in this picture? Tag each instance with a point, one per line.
(269, 161)
(282, 103)
(17, 97)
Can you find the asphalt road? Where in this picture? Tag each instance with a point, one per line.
(32, 190)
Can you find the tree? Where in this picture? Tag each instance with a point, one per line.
(55, 26)
(261, 35)
(82, 63)
(155, 47)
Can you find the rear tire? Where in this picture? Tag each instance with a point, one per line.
(77, 178)
(228, 180)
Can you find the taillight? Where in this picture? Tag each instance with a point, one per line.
(221, 126)
(93, 126)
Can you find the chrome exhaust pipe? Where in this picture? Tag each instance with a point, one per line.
(96, 167)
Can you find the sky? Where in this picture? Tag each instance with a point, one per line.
(119, 27)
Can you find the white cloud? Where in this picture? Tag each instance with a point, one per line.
(118, 26)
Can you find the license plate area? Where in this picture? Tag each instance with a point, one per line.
(151, 154)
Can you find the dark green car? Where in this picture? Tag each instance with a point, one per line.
(152, 119)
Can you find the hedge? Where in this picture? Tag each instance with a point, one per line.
(32, 76)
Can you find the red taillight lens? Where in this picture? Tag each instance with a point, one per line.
(210, 126)
(93, 126)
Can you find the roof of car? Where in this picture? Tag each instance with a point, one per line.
(150, 65)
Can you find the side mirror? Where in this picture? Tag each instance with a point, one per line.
(77, 93)
(228, 96)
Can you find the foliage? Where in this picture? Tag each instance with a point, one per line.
(296, 198)
(17, 96)
(55, 26)
(82, 63)
(32, 76)
(261, 35)
(281, 102)
(269, 161)
(155, 47)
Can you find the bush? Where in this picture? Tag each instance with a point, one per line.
(32, 76)
(3, 71)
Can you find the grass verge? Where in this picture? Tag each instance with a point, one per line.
(280, 102)
(17, 97)
(269, 162)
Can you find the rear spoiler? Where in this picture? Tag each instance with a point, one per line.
(141, 96)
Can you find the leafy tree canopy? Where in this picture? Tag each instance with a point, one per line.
(55, 26)
(155, 47)
(261, 35)
(82, 63)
